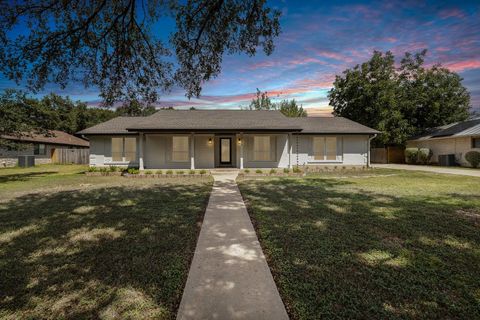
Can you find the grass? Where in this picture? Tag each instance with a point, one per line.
(368, 245)
(75, 247)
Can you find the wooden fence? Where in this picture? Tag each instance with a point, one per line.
(66, 156)
(387, 155)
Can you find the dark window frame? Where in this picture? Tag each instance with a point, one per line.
(37, 150)
(476, 142)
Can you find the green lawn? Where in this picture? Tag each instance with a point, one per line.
(380, 244)
(74, 247)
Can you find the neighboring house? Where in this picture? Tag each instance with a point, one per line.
(194, 139)
(56, 147)
(455, 138)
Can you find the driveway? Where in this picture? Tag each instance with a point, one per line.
(446, 170)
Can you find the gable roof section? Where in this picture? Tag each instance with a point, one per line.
(215, 120)
(238, 120)
(57, 137)
(457, 129)
(332, 125)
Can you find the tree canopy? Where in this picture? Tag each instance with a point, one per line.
(118, 46)
(402, 101)
(289, 108)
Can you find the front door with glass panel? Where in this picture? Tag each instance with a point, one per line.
(225, 151)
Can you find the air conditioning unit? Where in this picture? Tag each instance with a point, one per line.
(26, 161)
(447, 160)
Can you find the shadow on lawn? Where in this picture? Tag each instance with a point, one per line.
(112, 253)
(341, 252)
(24, 176)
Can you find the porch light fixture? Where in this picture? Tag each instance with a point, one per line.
(210, 141)
(239, 141)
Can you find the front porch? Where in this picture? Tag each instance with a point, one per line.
(214, 150)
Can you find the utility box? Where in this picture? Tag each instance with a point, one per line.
(26, 161)
(446, 160)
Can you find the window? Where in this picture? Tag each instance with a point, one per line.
(325, 148)
(180, 149)
(39, 149)
(262, 148)
(124, 149)
(475, 142)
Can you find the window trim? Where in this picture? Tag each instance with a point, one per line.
(187, 152)
(477, 140)
(337, 149)
(123, 161)
(36, 149)
(270, 149)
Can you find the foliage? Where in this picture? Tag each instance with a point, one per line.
(262, 102)
(114, 168)
(133, 171)
(473, 157)
(169, 172)
(92, 169)
(399, 102)
(273, 171)
(246, 170)
(148, 172)
(296, 169)
(411, 155)
(259, 171)
(180, 172)
(370, 245)
(191, 172)
(424, 155)
(290, 108)
(135, 108)
(203, 171)
(286, 170)
(159, 172)
(114, 45)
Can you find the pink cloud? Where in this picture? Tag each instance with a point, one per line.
(452, 13)
(442, 49)
(333, 55)
(463, 65)
(391, 39)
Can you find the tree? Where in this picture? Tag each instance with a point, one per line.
(262, 102)
(291, 109)
(402, 101)
(134, 108)
(115, 45)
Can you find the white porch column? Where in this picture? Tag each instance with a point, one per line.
(290, 147)
(241, 150)
(140, 151)
(192, 151)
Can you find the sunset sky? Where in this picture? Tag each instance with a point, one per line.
(322, 38)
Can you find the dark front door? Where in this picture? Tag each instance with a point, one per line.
(225, 150)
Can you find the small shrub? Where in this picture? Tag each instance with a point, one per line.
(246, 171)
(169, 172)
(191, 172)
(258, 171)
(113, 168)
(133, 171)
(180, 172)
(149, 172)
(296, 169)
(424, 155)
(286, 170)
(273, 171)
(203, 171)
(159, 172)
(92, 169)
(103, 169)
(473, 157)
(411, 155)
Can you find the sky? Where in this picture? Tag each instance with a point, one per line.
(320, 39)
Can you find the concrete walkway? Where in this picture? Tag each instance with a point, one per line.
(229, 277)
(446, 170)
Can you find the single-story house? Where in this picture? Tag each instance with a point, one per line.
(456, 138)
(54, 147)
(197, 139)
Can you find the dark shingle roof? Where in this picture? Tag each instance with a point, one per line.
(332, 125)
(242, 120)
(215, 120)
(114, 126)
(54, 137)
(465, 128)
